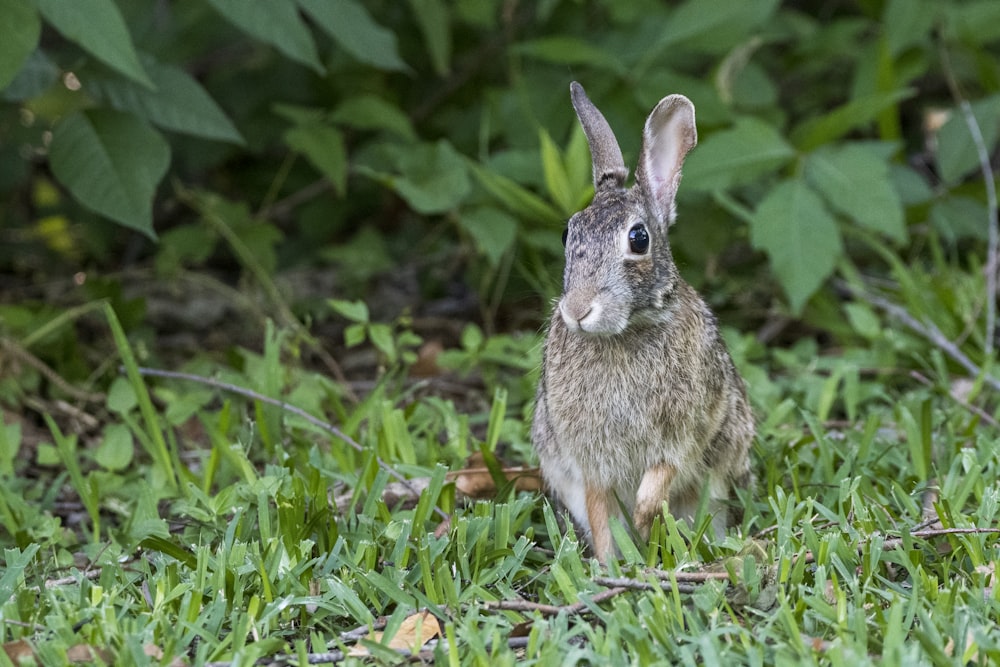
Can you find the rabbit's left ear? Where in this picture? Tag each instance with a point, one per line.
(669, 134)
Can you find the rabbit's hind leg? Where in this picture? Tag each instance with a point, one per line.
(599, 511)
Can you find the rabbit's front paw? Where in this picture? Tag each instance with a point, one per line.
(654, 489)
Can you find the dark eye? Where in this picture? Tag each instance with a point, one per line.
(565, 235)
(638, 240)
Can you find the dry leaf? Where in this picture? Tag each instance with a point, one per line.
(415, 631)
(87, 653)
(19, 651)
(475, 481)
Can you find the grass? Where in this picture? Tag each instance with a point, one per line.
(201, 528)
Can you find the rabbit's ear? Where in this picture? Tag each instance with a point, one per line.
(669, 134)
(609, 167)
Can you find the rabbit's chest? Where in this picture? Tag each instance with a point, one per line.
(614, 410)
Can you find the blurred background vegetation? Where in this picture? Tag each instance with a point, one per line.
(388, 182)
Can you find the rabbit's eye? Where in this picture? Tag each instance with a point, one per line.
(638, 240)
(565, 236)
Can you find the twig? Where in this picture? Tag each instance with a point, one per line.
(974, 409)
(284, 206)
(636, 585)
(287, 407)
(24, 356)
(689, 577)
(989, 182)
(555, 610)
(928, 330)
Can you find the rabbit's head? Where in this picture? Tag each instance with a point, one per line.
(619, 270)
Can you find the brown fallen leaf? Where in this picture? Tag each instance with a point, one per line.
(88, 653)
(19, 651)
(415, 631)
(478, 484)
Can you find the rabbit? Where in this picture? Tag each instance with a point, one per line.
(638, 402)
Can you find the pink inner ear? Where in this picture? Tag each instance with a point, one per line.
(668, 136)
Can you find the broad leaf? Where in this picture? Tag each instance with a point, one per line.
(976, 22)
(907, 23)
(739, 155)
(368, 112)
(276, 23)
(111, 162)
(818, 130)
(517, 199)
(800, 237)
(323, 146)
(36, 76)
(569, 50)
(350, 25)
(98, 27)
(432, 178)
(435, 24)
(957, 218)
(493, 231)
(22, 26)
(178, 103)
(854, 180)
(957, 154)
(713, 26)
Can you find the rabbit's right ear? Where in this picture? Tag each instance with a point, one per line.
(606, 156)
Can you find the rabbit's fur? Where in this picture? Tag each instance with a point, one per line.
(639, 401)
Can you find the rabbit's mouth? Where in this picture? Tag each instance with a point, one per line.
(591, 316)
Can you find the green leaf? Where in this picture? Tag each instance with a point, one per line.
(518, 200)
(569, 50)
(22, 27)
(957, 218)
(432, 17)
(323, 146)
(111, 162)
(800, 236)
(368, 112)
(750, 149)
(178, 103)
(907, 23)
(556, 178)
(493, 231)
(121, 396)
(276, 23)
(432, 178)
(38, 74)
(854, 180)
(956, 151)
(976, 22)
(355, 311)
(350, 25)
(861, 111)
(117, 449)
(355, 334)
(99, 29)
(15, 562)
(713, 26)
(380, 334)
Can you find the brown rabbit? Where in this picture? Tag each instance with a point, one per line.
(639, 401)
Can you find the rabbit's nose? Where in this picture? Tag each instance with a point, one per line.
(580, 312)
